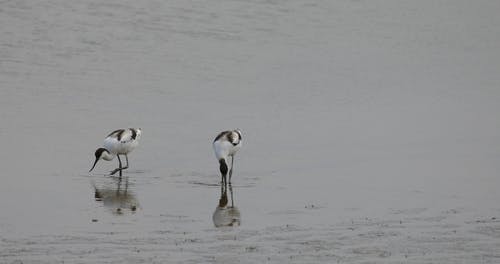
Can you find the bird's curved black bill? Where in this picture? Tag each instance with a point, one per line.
(95, 162)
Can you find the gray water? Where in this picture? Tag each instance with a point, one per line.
(371, 131)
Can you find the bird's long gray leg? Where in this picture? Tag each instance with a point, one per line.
(126, 166)
(119, 168)
(231, 170)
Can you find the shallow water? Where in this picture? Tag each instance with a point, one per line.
(370, 131)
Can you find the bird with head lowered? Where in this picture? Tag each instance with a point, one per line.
(226, 144)
(118, 142)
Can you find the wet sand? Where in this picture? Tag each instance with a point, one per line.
(371, 131)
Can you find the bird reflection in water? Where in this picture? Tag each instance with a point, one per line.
(119, 199)
(225, 214)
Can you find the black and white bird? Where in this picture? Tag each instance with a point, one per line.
(118, 142)
(226, 144)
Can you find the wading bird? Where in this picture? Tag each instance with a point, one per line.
(118, 142)
(226, 144)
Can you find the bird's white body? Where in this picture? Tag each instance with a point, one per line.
(226, 144)
(122, 141)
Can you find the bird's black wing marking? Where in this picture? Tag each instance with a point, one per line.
(134, 133)
(220, 135)
(118, 133)
(234, 137)
(230, 137)
(239, 135)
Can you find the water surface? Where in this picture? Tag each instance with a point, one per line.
(371, 131)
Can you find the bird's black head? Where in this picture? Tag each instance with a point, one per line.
(99, 151)
(98, 155)
(223, 167)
